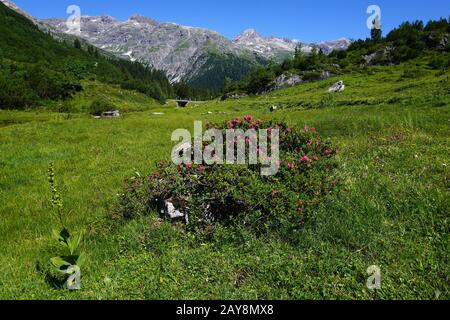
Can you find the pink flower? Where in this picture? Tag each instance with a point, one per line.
(201, 168)
(305, 159)
(248, 118)
(315, 158)
(310, 142)
(188, 165)
(313, 130)
(290, 165)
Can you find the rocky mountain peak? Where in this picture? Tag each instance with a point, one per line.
(248, 35)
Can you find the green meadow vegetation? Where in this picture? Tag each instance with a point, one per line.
(390, 207)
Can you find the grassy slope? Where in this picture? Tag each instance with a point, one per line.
(124, 100)
(391, 210)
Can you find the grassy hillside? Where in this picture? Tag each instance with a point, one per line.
(390, 208)
(407, 42)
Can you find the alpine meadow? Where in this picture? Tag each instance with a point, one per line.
(93, 208)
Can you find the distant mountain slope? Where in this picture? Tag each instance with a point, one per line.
(180, 50)
(34, 67)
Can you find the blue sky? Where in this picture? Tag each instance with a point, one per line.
(308, 21)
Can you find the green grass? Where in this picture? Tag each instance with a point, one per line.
(391, 209)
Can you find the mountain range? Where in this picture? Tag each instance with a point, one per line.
(201, 57)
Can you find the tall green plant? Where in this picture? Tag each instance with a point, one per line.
(72, 257)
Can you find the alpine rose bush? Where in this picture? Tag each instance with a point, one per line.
(239, 194)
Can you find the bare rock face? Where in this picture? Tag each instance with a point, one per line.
(269, 47)
(337, 87)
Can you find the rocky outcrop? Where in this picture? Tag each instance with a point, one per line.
(233, 96)
(383, 56)
(286, 80)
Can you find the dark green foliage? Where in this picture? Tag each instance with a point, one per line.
(258, 79)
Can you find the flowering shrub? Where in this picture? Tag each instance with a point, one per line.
(239, 193)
